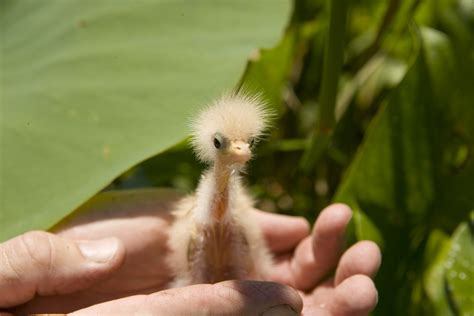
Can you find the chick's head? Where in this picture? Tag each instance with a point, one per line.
(228, 129)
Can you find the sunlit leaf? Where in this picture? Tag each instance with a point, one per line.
(437, 249)
(459, 273)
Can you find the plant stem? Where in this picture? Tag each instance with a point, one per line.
(333, 58)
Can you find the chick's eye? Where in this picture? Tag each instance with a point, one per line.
(217, 143)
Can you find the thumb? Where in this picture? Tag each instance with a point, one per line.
(43, 263)
(241, 297)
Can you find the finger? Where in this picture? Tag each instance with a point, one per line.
(317, 256)
(45, 264)
(225, 298)
(355, 296)
(362, 258)
(315, 309)
(282, 232)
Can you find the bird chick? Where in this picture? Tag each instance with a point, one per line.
(214, 236)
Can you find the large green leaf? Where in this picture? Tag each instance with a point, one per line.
(90, 88)
(415, 168)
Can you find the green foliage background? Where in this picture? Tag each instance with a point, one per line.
(379, 115)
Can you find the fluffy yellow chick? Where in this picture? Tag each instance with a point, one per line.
(214, 236)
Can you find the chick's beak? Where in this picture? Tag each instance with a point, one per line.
(239, 151)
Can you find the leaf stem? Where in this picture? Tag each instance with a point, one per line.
(333, 59)
(332, 64)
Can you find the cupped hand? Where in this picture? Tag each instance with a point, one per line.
(307, 265)
(136, 270)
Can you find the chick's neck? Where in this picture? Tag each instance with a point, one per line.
(221, 174)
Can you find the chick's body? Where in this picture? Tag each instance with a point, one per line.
(215, 236)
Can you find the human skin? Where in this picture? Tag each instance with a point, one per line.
(133, 276)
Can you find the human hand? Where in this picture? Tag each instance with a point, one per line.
(139, 222)
(144, 272)
(40, 263)
(306, 265)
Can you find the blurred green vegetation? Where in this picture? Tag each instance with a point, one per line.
(399, 151)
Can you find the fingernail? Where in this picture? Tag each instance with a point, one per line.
(280, 310)
(100, 251)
